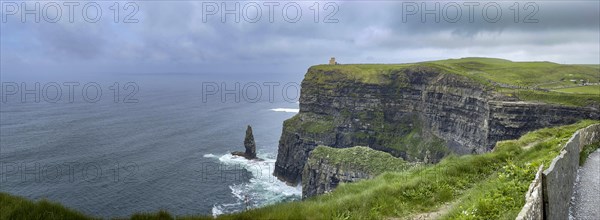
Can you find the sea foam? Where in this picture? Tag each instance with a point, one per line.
(289, 110)
(262, 189)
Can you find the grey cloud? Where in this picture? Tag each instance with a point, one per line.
(72, 41)
(555, 15)
(172, 36)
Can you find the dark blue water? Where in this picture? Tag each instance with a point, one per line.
(168, 151)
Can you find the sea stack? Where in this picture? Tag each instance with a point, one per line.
(249, 144)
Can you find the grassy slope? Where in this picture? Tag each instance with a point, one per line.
(360, 158)
(12, 207)
(15, 207)
(526, 74)
(501, 195)
(487, 186)
(487, 71)
(311, 124)
(581, 90)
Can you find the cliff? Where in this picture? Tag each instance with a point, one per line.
(418, 112)
(327, 167)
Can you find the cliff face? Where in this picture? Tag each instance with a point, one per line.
(327, 167)
(510, 120)
(417, 113)
(320, 177)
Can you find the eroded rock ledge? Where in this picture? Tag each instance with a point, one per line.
(327, 167)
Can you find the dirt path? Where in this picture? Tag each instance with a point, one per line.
(435, 214)
(441, 211)
(534, 143)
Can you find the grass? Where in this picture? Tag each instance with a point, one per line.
(586, 151)
(164, 215)
(310, 123)
(595, 66)
(486, 186)
(360, 158)
(366, 73)
(568, 99)
(526, 74)
(497, 74)
(501, 195)
(13, 207)
(595, 90)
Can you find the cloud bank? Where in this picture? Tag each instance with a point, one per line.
(192, 37)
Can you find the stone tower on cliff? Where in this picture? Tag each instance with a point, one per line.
(332, 61)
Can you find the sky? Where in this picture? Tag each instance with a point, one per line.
(191, 36)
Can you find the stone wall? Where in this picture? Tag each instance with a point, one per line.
(589, 135)
(534, 206)
(557, 181)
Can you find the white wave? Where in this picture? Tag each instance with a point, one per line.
(262, 189)
(290, 110)
(210, 156)
(216, 211)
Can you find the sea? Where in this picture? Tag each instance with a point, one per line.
(113, 146)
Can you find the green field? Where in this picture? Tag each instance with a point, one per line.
(525, 74)
(359, 158)
(595, 66)
(528, 81)
(582, 90)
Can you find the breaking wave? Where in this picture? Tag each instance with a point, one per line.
(262, 189)
(289, 110)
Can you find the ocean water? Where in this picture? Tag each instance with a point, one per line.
(169, 151)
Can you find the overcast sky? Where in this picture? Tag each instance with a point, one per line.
(184, 36)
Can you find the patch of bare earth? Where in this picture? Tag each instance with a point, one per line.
(441, 211)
